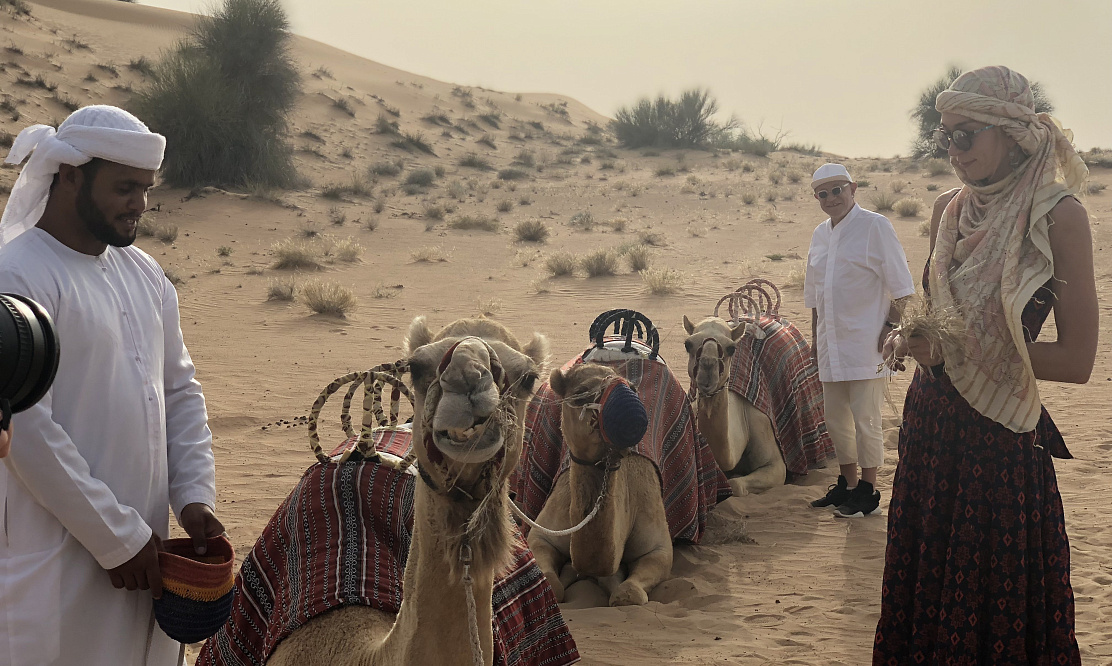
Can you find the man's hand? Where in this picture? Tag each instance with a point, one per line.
(140, 572)
(893, 351)
(885, 331)
(200, 523)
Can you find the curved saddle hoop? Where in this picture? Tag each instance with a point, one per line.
(626, 322)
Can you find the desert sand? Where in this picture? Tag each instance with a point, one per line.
(808, 590)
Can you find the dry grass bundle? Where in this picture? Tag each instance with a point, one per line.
(430, 255)
(560, 264)
(295, 254)
(480, 222)
(908, 207)
(639, 257)
(943, 328)
(531, 231)
(662, 281)
(348, 250)
(281, 289)
(328, 298)
(600, 263)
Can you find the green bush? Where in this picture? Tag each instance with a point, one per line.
(685, 122)
(223, 97)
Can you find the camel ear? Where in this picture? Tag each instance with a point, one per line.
(419, 335)
(737, 332)
(558, 382)
(537, 349)
(688, 326)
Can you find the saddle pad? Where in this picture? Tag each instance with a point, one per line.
(777, 376)
(691, 482)
(342, 536)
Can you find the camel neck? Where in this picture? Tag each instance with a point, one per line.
(432, 625)
(713, 416)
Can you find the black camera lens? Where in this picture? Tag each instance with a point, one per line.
(28, 352)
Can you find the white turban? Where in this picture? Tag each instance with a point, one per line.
(104, 132)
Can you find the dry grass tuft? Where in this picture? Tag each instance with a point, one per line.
(167, 233)
(295, 254)
(796, 276)
(653, 238)
(281, 289)
(662, 281)
(943, 328)
(600, 263)
(348, 251)
(531, 231)
(925, 228)
(882, 201)
(639, 257)
(328, 298)
(429, 254)
(583, 221)
(475, 222)
(560, 264)
(937, 167)
(908, 207)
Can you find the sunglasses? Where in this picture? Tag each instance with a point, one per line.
(963, 139)
(834, 191)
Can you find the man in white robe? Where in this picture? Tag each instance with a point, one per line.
(123, 433)
(856, 275)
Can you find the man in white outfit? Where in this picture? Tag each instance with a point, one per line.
(123, 433)
(856, 274)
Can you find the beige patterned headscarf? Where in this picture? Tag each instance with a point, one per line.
(993, 252)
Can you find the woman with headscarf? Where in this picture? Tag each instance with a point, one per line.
(977, 565)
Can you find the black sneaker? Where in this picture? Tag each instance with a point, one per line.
(836, 495)
(862, 501)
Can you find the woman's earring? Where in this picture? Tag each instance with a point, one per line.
(1016, 157)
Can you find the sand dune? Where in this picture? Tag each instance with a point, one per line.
(807, 591)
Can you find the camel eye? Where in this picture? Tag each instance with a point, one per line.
(529, 381)
(420, 374)
(687, 345)
(730, 349)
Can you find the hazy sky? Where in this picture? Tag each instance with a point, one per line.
(842, 74)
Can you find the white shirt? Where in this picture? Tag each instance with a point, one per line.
(122, 435)
(854, 270)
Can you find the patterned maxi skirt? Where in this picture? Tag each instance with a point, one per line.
(977, 568)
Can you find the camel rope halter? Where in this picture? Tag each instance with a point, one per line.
(609, 464)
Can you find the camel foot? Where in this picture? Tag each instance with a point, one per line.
(629, 594)
(739, 488)
(556, 585)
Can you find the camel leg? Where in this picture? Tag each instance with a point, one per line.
(762, 456)
(644, 574)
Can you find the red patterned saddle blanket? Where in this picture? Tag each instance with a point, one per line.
(341, 537)
(690, 479)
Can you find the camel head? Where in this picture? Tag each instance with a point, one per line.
(710, 345)
(472, 382)
(600, 414)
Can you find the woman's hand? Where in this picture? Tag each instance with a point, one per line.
(894, 350)
(920, 349)
(897, 347)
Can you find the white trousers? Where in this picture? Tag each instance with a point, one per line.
(853, 420)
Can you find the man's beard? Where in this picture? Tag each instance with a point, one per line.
(95, 220)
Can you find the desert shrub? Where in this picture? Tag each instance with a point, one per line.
(357, 186)
(420, 177)
(618, 224)
(281, 289)
(167, 233)
(348, 251)
(383, 125)
(512, 173)
(685, 122)
(882, 201)
(146, 226)
(666, 170)
(797, 275)
(863, 183)
(925, 228)
(1095, 188)
(897, 186)
(775, 177)
(295, 254)
(433, 211)
(223, 98)
(224, 251)
(505, 205)
(141, 65)
(328, 298)
(475, 222)
(932, 187)
(937, 167)
(487, 140)
(600, 262)
(662, 281)
(457, 190)
(639, 257)
(908, 207)
(525, 200)
(526, 158)
(583, 221)
(531, 231)
(413, 141)
(749, 197)
(927, 118)
(385, 168)
(429, 254)
(561, 263)
(475, 161)
(653, 238)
